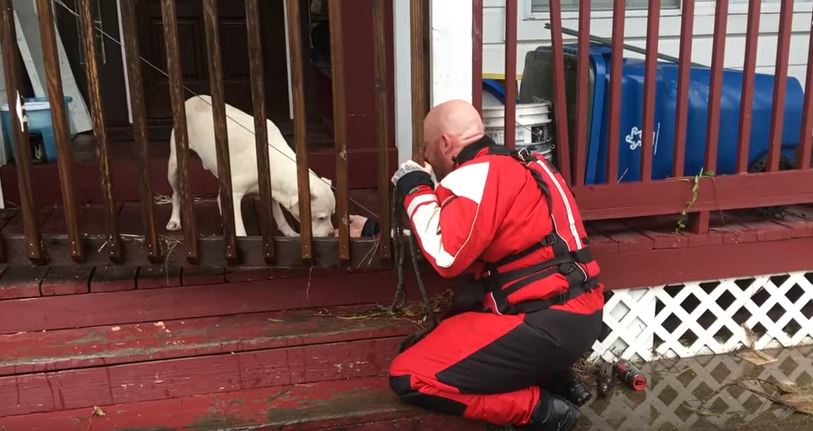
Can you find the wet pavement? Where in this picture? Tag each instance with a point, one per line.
(701, 394)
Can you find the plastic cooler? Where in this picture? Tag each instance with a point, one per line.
(40, 128)
(538, 83)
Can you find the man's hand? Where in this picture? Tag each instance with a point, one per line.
(411, 175)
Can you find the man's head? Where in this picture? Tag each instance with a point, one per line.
(447, 129)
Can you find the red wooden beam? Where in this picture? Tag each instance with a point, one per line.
(510, 134)
(682, 109)
(780, 84)
(382, 123)
(477, 54)
(340, 126)
(669, 196)
(648, 129)
(582, 132)
(560, 98)
(616, 64)
(749, 70)
(806, 140)
(699, 223)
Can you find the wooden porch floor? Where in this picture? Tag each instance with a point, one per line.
(622, 248)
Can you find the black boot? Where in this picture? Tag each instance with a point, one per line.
(570, 387)
(553, 413)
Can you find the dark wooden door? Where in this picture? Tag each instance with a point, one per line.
(234, 51)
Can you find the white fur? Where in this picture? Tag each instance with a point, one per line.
(243, 155)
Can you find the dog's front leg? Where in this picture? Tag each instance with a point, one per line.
(239, 227)
(282, 223)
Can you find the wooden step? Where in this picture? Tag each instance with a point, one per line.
(356, 404)
(103, 365)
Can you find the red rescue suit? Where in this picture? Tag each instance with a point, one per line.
(512, 224)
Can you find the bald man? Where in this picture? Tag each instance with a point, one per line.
(532, 304)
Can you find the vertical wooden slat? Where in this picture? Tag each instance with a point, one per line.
(749, 71)
(138, 108)
(582, 132)
(255, 59)
(510, 128)
(300, 129)
(176, 95)
(382, 130)
(648, 129)
(420, 104)
(339, 126)
(227, 204)
(616, 63)
(806, 140)
(780, 84)
(100, 131)
(684, 68)
(560, 98)
(699, 222)
(60, 125)
(19, 135)
(477, 54)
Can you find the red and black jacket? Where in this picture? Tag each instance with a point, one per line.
(510, 220)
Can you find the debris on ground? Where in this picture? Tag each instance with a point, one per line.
(756, 357)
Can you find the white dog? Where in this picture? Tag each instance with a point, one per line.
(243, 155)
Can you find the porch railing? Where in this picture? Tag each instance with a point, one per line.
(228, 249)
(648, 197)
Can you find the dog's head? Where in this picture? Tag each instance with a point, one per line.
(323, 205)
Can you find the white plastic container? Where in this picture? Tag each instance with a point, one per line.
(533, 125)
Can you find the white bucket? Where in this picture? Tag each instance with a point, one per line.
(532, 126)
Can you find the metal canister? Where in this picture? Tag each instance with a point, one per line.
(630, 374)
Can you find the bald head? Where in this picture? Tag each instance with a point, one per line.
(447, 129)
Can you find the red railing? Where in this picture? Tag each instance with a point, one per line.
(647, 196)
(227, 249)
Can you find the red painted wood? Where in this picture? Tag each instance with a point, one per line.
(648, 132)
(581, 133)
(202, 275)
(716, 84)
(780, 84)
(197, 301)
(628, 240)
(707, 239)
(661, 230)
(799, 221)
(682, 108)
(154, 277)
(330, 405)
(14, 226)
(37, 351)
(616, 62)
(511, 22)
(803, 157)
(623, 270)
(600, 243)
(62, 280)
(670, 196)
(113, 278)
(560, 99)
(477, 54)
(747, 98)
(22, 282)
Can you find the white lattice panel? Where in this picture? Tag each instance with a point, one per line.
(708, 317)
(685, 395)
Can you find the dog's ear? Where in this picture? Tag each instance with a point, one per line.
(328, 181)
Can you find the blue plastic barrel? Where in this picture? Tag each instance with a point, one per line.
(632, 82)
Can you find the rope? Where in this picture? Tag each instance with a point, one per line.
(400, 290)
(190, 91)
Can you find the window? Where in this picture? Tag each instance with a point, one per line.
(573, 5)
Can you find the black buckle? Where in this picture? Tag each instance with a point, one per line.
(560, 298)
(549, 240)
(524, 155)
(567, 268)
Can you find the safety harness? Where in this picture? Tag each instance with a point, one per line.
(500, 285)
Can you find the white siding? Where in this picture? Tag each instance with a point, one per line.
(532, 34)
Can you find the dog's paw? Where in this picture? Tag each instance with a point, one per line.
(290, 233)
(174, 225)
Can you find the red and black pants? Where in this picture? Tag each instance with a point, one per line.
(491, 367)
